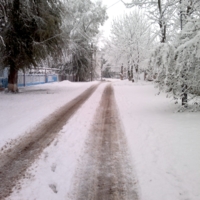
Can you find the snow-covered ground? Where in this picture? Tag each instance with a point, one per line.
(58, 162)
(19, 113)
(164, 144)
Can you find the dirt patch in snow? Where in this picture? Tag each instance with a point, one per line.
(105, 171)
(18, 155)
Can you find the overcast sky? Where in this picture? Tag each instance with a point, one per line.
(115, 8)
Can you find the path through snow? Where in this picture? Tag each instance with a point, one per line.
(105, 173)
(15, 161)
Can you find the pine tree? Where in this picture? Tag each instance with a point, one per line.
(32, 32)
(85, 19)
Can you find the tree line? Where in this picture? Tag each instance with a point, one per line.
(161, 37)
(33, 32)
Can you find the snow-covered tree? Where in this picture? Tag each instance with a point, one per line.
(30, 33)
(161, 66)
(174, 62)
(176, 66)
(83, 22)
(160, 12)
(187, 60)
(130, 41)
(3, 19)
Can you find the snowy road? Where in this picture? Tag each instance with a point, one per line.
(106, 173)
(16, 160)
(163, 162)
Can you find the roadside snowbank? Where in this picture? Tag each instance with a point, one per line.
(19, 113)
(52, 174)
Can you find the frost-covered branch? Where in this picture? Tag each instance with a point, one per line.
(2, 40)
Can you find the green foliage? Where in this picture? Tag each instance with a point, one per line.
(31, 33)
(106, 73)
(81, 61)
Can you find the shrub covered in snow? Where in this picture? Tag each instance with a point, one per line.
(176, 67)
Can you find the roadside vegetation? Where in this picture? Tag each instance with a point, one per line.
(60, 33)
(161, 39)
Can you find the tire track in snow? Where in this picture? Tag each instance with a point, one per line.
(105, 172)
(15, 161)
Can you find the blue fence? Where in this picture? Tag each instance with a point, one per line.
(30, 79)
(3, 82)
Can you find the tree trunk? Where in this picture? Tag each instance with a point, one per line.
(184, 86)
(184, 100)
(132, 72)
(12, 79)
(122, 72)
(184, 95)
(181, 15)
(162, 24)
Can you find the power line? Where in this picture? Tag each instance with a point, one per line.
(113, 4)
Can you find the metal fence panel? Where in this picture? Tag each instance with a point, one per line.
(30, 79)
(3, 82)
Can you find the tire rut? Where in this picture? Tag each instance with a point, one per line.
(106, 172)
(16, 160)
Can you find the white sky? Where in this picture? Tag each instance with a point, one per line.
(115, 9)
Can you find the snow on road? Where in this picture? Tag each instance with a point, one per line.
(15, 161)
(19, 113)
(105, 172)
(50, 176)
(164, 145)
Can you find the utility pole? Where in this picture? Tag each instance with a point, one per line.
(24, 77)
(101, 67)
(91, 70)
(95, 58)
(122, 72)
(184, 75)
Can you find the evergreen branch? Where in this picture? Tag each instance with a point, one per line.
(2, 40)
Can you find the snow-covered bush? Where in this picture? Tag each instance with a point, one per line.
(187, 57)
(176, 68)
(161, 66)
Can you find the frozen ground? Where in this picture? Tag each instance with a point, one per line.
(21, 112)
(105, 172)
(57, 164)
(164, 145)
